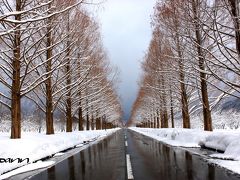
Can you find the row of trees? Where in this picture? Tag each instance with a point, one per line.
(52, 54)
(192, 62)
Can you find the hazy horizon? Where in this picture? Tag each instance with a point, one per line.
(126, 32)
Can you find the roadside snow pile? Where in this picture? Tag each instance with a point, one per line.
(28, 167)
(35, 146)
(175, 136)
(226, 141)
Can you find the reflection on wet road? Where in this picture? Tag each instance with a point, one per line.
(154, 160)
(103, 161)
(148, 160)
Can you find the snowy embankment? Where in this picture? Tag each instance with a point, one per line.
(175, 137)
(226, 141)
(36, 146)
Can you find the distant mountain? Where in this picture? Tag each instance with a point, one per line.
(231, 104)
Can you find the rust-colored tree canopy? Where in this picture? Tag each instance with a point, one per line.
(52, 56)
(191, 64)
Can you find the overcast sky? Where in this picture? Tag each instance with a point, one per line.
(126, 34)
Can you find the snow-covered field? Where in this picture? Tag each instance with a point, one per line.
(220, 120)
(36, 146)
(223, 140)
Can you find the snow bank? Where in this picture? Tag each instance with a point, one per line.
(36, 146)
(226, 141)
(175, 136)
(28, 167)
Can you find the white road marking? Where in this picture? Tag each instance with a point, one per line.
(126, 143)
(129, 167)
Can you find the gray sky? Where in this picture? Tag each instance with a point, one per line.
(126, 34)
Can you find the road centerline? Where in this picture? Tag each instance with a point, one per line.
(129, 167)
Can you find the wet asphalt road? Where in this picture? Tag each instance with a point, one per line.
(150, 160)
(104, 160)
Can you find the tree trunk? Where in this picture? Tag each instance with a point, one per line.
(158, 123)
(68, 83)
(161, 118)
(69, 99)
(158, 119)
(48, 82)
(171, 108)
(49, 108)
(69, 103)
(98, 124)
(185, 111)
(80, 112)
(165, 118)
(235, 9)
(165, 114)
(152, 121)
(80, 118)
(104, 124)
(184, 100)
(16, 96)
(154, 124)
(16, 113)
(149, 124)
(87, 122)
(92, 123)
(69, 114)
(201, 63)
(101, 123)
(108, 125)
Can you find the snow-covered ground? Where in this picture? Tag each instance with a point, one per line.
(223, 140)
(36, 146)
(220, 120)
